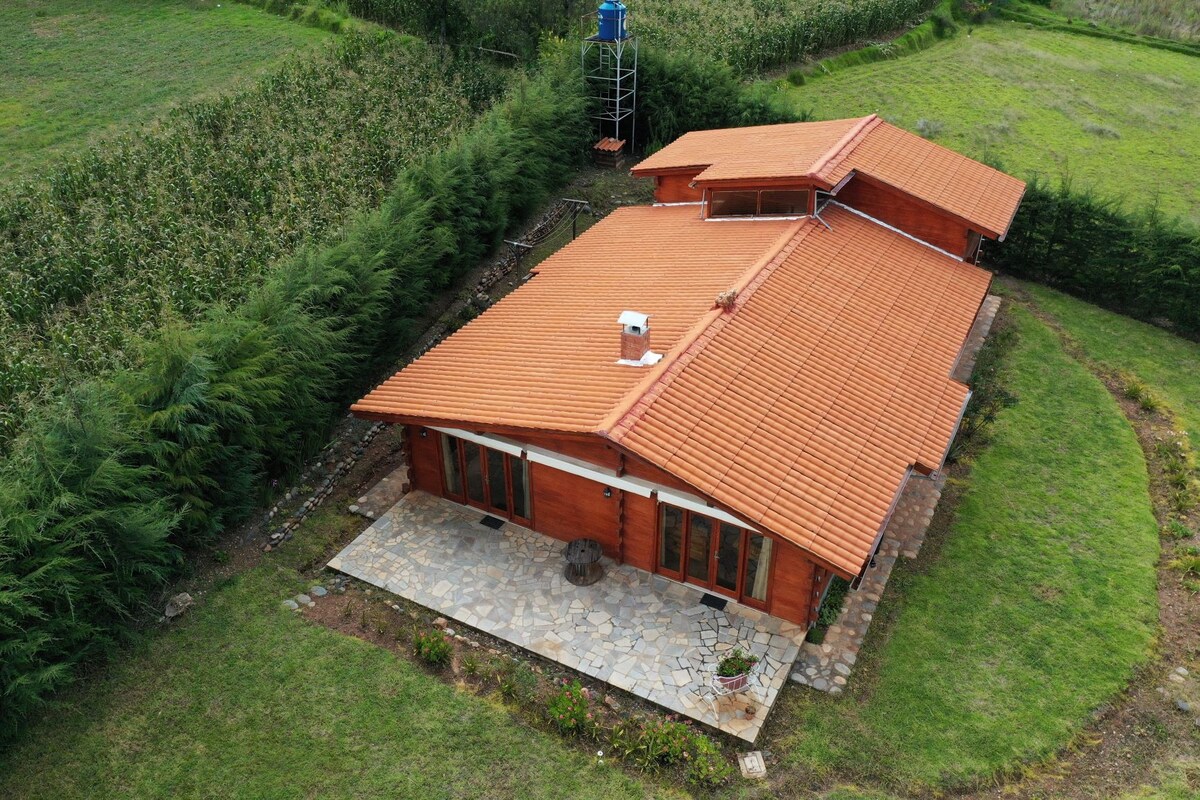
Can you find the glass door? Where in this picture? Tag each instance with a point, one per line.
(699, 549)
(485, 478)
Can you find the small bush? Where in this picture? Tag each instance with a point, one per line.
(470, 665)
(516, 681)
(1139, 392)
(432, 647)
(834, 599)
(1188, 564)
(655, 743)
(569, 710)
(796, 77)
(707, 766)
(1176, 531)
(943, 24)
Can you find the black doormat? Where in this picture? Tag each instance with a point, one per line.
(495, 523)
(712, 601)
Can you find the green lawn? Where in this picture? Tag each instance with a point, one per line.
(1169, 365)
(71, 70)
(244, 699)
(1117, 117)
(1035, 611)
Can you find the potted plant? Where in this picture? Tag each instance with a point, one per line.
(733, 671)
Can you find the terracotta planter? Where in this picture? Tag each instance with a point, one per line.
(734, 683)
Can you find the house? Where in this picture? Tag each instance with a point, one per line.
(731, 387)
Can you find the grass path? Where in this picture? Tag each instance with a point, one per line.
(1039, 102)
(1035, 611)
(244, 699)
(1166, 363)
(71, 70)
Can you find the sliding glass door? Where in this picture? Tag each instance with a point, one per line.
(486, 478)
(700, 549)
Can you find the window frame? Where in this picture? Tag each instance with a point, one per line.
(741, 594)
(710, 201)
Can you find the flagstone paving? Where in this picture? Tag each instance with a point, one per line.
(639, 632)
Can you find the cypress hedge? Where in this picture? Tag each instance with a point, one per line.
(1140, 264)
(109, 485)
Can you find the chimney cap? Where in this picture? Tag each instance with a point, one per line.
(633, 319)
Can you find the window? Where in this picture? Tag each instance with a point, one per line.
(489, 479)
(759, 203)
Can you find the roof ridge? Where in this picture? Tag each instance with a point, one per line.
(621, 420)
(846, 145)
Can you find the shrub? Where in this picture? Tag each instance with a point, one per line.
(516, 681)
(1139, 264)
(432, 647)
(707, 766)
(108, 477)
(83, 545)
(678, 93)
(834, 599)
(1176, 530)
(568, 709)
(652, 743)
(1188, 564)
(989, 396)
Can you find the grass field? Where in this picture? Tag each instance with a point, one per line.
(1034, 612)
(1169, 365)
(244, 699)
(71, 70)
(1112, 116)
(1172, 19)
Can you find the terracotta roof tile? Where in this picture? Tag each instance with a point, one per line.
(827, 152)
(843, 352)
(559, 331)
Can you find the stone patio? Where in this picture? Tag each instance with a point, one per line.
(639, 632)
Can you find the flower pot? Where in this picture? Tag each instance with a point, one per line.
(734, 683)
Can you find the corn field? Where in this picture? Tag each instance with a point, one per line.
(191, 212)
(758, 35)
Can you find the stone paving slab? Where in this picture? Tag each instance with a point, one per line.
(634, 630)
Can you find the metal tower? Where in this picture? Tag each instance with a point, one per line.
(609, 61)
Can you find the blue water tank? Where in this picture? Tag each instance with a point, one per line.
(612, 21)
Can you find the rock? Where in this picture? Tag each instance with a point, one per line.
(841, 669)
(304, 600)
(440, 622)
(612, 703)
(1175, 678)
(450, 632)
(178, 604)
(820, 684)
(1183, 705)
(1182, 672)
(354, 509)
(290, 605)
(318, 591)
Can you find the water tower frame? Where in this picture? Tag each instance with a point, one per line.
(610, 74)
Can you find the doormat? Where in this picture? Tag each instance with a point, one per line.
(495, 523)
(712, 601)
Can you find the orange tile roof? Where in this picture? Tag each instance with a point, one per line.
(758, 151)
(801, 410)
(545, 356)
(804, 408)
(826, 152)
(964, 187)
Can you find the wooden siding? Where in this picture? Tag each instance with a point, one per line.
(791, 593)
(568, 507)
(906, 213)
(426, 473)
(594, 450)
(641, 530)
(674, 188)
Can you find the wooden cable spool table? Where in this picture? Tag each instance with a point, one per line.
(583, 562)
